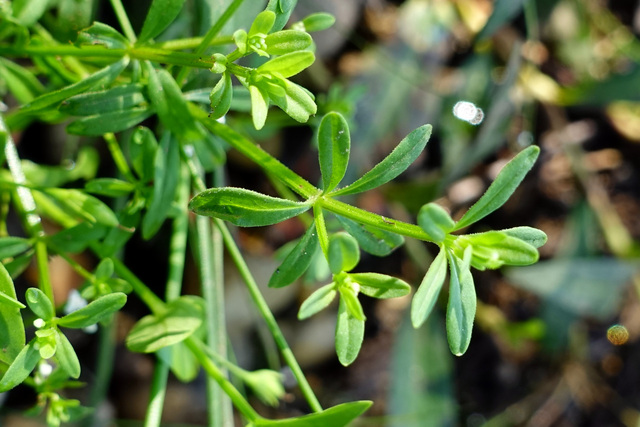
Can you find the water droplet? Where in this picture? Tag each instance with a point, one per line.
(467, 111)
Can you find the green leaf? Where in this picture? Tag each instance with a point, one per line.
(22, 83)
(160, 15)
(94, 312)
(66, 355)
(461, 309)
(99, 79)
(427, 294)
(166, 177)
(110, 187)
(183, 363)
(287, 41)
(102, 34)
(371, 239)
(21, 367)
(334, 144)
(28, 12)
(350, 297)
(493, 249)
(318, 22)
(435, 221)
(155, 331)
(259, 105)
(82, 205)
(40, 304)
(77, 238)
(380, 286)
(142, 151)
(530, 235)
(282, 9)
(344, 253)
(502, 188)
(296, 101)
(168, 101)
(393, 165)
(317, 301)
(349, 335)
(288, 65)
(12, 336)
(13, 246)
(336, 416)
(245, 208)
(263, 23)
(119, 98)
(221, 96)
(297, 260)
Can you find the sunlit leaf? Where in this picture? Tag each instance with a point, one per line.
(461, 309)
(334, 144)
(381, 286)
(20, 367)
(40, 304)
(160, 15)
(427, 294)
(317, 301)
(349, 335)
(94, 312)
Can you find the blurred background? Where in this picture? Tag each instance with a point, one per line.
(561, 74)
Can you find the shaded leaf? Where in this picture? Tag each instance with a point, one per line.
(20, 367)
(40, 304)
(336, 416)
(372, 239)
(102, 34)
(221, 96)
(13, 246)
(317, 301)
(344, 253)
(12, 336)
(160, 15)
(435, 221)
(119, 98)
(66, 355)
(297, 260)
(461, 309)
(349, 335)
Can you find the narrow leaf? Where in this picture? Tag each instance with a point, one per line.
(160, 15)
(123, 97)
(502, 188)
(349, 335)
(318, 22)
(40, 304)
(282, 9)
(142, 151)
(259, 106)
(115, 121)
(493, 249)
(166, 177)
(98, 79)
(101, 34)
(334, 144)
(461, 309)
(287, 41)
(427, 294)
(297, 261)
(245, 208)
(13, 246)
(393, 165)
(297, 102)
(350, 297)
(263, 23)
(66, 355)
(317, 301)
(380, 286)
(371, 239)
(21, 367)
(94, 312)
(82, 205)
(111, 187)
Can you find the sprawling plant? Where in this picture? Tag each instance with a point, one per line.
(109, 84)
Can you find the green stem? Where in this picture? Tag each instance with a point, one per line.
(192, 43)
(104, 368)
(157, 394)
(178, 245)
(211, 34)
(123, 19)
(118, 156)
(264, 310)
(27, 209)
(321, 229)
(197, 348)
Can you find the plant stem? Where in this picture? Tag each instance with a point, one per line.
(157, 394)
(197, 348)
(321, 229)
(27, 209)
(123, 19)
(264, 310)
(118, 156)
(104, 368)
(192, 43)
(213, 31)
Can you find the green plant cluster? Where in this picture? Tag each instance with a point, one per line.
(108, 84)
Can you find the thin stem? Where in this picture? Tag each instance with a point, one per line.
(264, 310)
(211, 34)
(321, 229)
(118, 156)
(123, 19)
(27, 209)
(104, 368)
(178, 245)
(157, 394)
(197, 348)
(192, 43)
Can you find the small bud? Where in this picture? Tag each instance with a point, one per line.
(39, 323)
